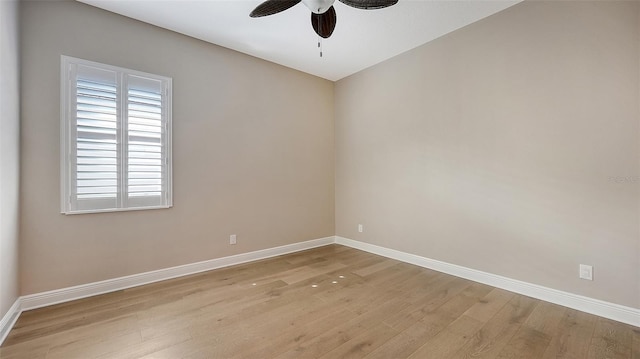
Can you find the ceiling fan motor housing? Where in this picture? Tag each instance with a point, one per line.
(318, 6)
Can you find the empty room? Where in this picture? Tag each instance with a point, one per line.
(319, 179)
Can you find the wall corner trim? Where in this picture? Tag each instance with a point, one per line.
(9, 320)
(601, 308)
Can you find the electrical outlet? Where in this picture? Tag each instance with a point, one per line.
(586, 272)
(232, 239)
(360, 228)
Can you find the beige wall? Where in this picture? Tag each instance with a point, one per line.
(9, 153)
(509, 146)
(252, 144)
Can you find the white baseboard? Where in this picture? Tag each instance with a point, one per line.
(585, 304)
(9, 320)
(44, 299)
(601, 308)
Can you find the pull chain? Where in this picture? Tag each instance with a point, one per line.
(319, 38)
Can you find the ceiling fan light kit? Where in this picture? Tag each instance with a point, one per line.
(318, 6)
(323, 15)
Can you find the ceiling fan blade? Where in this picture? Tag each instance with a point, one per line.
(369, 4)
(324, 23)
(271, 7)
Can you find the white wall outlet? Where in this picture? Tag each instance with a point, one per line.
(360, 228)
(586, 272)
(232, 239)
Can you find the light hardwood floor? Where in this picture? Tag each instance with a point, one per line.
(329, 302)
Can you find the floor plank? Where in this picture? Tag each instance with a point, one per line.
(546, 318)
(489, 341)
(449, 341)
(635, 352)
(611, 340)
(571, 341)
(526, 343)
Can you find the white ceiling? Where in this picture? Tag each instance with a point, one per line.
(362, 38)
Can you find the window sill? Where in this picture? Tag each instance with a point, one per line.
(116, 210)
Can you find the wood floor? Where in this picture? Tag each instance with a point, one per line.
(329, 302)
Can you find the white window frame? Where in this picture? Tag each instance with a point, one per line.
(68, 139)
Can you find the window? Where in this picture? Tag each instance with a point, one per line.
(116, 138)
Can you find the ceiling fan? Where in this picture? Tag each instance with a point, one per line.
(323, 15)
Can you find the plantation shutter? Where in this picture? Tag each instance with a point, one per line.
(146, 134)
(116, 139)
(96, 133)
